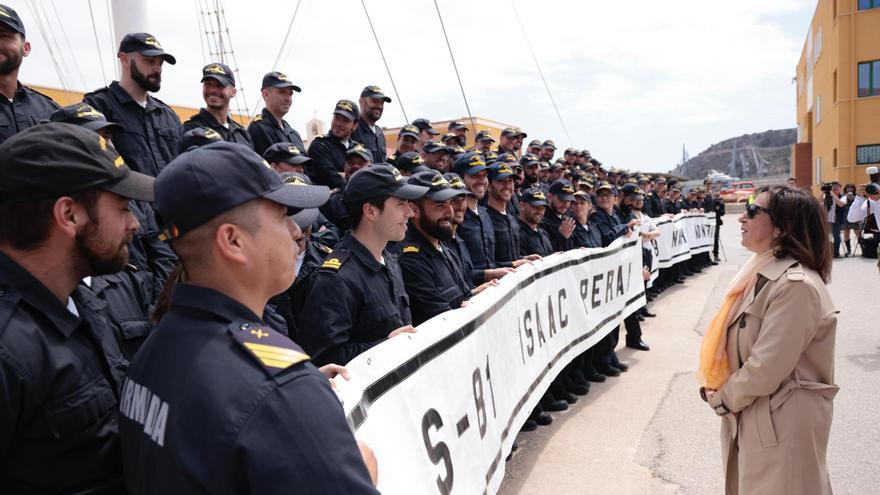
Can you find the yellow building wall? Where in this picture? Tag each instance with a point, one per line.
(849, 36)
(64, 97)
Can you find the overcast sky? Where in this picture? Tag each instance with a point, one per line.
(633, 80)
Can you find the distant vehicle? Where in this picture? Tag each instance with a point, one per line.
(737, 192)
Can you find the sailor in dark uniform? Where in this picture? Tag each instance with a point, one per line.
(533, 239)
(21, 107)
(369, 134)
(328, 151)
(270, 127)
(215, 393)
(61, 368)
(434, 280)
(407, 141)
(218, 87)
(358, 298)
(557, 221)
(356, 158)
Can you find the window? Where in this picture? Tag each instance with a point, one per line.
(868, 4)
(869, 78)
(818, 41)
(867, 154)
(834, 158)
(834, 84)
(818, 170)
(818, 110)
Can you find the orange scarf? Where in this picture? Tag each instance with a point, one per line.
(714, 368)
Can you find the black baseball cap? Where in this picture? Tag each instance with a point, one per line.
(529, 159)
(409, 130)
(534, 196)
(439, 188)
(9, 17)
(285, 152)
(506, 158)
(347, 109)
(218, 72)
(456, 125)
(455, 150)
(563, 189)
(434, 146)
(375, 92)
(84, 115)
(604, 185)
(470, 164)
(278, 80)
(425, 125)
(500, 171)
(207, 181)
(379, 180)
(56, 159)
(409, 161)
(306, 216)
(457, 183)
(449, 135)
(549, 144)
(534, 143)
(198, 136)
(359, 150)
(484, 136)
(146, 44)
(633, 190)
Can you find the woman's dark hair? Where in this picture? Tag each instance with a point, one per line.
(800, 219)
(849, 186)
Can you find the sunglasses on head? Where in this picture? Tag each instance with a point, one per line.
(753, 209)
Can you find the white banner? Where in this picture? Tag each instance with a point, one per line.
(442, 407)
(681, 236)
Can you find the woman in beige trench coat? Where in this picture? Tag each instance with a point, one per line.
(776, 403)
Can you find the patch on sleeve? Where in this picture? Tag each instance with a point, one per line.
(411, 249)
(273, 351)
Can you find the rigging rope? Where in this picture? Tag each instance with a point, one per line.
(455, 66)
(33, 9)
(382, 54)
(97, 44)
(540, 72)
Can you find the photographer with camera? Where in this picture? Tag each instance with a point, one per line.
(866, 206)
(833, 201)
(847, 227)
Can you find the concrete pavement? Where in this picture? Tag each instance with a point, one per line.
(648, 432)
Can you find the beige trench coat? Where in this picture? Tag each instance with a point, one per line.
(780, 347)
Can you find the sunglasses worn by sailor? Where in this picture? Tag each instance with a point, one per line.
(753, 209)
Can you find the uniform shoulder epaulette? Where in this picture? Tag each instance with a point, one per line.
(272, 350)
(257, 118)
(411, 248)
(161, 103)
(324, 249)
(334, 261)
(97, 91)
(795, 273)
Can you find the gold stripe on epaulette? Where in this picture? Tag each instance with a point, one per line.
(411, 249)
(333, 263)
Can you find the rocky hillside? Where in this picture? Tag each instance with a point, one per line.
(772, 148)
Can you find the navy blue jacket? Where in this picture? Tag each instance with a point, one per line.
(218, 402)
(586, 235)
(533, 241)
(234, 134)
(152, 134)
(433, 278)
(60, 377)
(354, 303)
(506, 236)
(374, 140)
(610, 227)
(459, 250)
(551, 223)
(266, 131)
(328, 161)
(27, 108)
(479, 237)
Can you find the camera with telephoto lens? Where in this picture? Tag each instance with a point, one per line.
(873, 187)
(826, 188)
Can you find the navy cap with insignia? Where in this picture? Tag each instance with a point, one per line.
(425, 125)
(529, 159)
(549, 144)
(9, 17)
(631, 190)
(85, 115)
(534, 143)
(563, 189)
(409, 130)
(484, 136)
(347, 109)
(456, 182)
(218, 72)
(307, 216)
(147, 45)
(57, 159)
(207, 181)
(439, 188)
(377, 180)
(278, 80)
(470, 164)
(456, 125)
(604, 185)
(534, 196)
(410, 161)
(198, 136)
(500, 171)
(285, 152)
(361, 151)
(448, 136)
(376, 93)
(434, 147)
